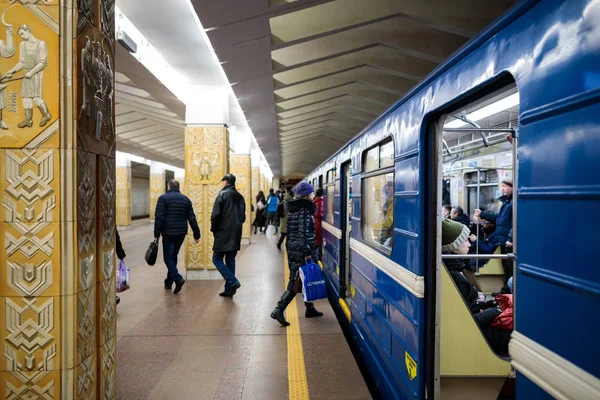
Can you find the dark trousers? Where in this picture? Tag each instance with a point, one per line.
(272, 219)
(507, 265)
(227, 268)
(290, 293)
(171, 246)
(281, 238)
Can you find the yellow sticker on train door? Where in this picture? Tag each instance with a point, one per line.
(411, 366)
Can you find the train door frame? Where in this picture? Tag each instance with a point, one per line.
(345, 266)
(434, 146)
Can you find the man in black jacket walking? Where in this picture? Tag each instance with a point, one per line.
(173, 213)
(226, 221)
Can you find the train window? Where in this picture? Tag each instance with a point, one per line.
(386, 155)
(372, 160)
(330, 204)
(331, 175)
(378, 210)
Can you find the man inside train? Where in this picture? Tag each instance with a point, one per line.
(388, 215)
(488, 240)
(504, 228)
(457, 214)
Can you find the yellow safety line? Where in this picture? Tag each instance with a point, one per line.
(297, 382)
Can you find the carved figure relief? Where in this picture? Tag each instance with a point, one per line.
(98, 90)
(206, 164)
(33, 58)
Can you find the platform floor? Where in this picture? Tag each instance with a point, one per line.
(198, 345)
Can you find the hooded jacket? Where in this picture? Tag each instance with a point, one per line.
(227, 219)
(301, 237)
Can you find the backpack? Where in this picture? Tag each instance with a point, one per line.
(280, 209)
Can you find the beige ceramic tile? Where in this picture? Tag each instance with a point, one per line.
(30, 330)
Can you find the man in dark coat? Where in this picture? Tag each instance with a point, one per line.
(228, 217)
(504, 228)
(173, 213)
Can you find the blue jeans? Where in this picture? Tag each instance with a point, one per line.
(227, 268)
(171, 246)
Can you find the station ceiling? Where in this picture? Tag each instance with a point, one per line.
(311, 74)
(149, 119)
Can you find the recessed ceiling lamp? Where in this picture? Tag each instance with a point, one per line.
(487, 111)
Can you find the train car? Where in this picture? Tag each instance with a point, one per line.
(518, 104)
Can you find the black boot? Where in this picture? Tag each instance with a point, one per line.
(311, 311)
(282, 304)
(277, 315)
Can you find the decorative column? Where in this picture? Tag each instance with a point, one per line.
(57, 323)
(157, 185)
(123, 190)
(206, 161)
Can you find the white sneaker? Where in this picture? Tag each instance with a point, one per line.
(481, 297)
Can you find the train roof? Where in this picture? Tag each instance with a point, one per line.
(500, 23)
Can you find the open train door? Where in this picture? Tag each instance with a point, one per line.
(346, 216)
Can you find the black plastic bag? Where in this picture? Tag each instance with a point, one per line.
(152, 253)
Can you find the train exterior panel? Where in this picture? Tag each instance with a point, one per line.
(551, 49)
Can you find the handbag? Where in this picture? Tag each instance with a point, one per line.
(123, 277)
(313, 282)
(152, 253)
(505, 319)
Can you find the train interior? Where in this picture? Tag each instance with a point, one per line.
(475, 155)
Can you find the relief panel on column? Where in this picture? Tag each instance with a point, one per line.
(106, 257)
(86, 221)
(87, 11)
(85, 316)
(29, 67)
(206, 152)
(18, 385)
(194, 252)
(107, 378)
(30, 222)
(94, 110)
(85, 379)
(106, 318)
(107, 18)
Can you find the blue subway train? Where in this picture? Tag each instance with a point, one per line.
(518, 104)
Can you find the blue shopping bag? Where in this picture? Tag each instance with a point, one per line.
(313, 282)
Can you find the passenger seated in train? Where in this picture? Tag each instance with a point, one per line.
(486, 244)
(455, 241)
(387, 225)
(446, 210)
(457, 214)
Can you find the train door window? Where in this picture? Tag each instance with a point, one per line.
(330, 192)
(477, 154)
(386, 155)
(372, 160)
(378, 197)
